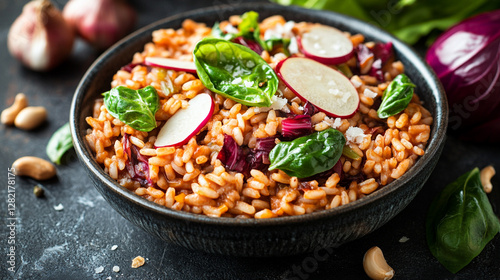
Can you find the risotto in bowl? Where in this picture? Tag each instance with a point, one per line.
(269, 131)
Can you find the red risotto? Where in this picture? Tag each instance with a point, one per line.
(295, 123)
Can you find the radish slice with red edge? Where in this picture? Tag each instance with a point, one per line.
(327, 89)
(327, 45)
(187, 122)
(169, 63)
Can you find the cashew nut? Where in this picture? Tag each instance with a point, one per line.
(486, 174)
(34, 167)
(9, 114)
(375, 265)
(30, 117)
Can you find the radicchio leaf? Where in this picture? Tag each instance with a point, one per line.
(297, 126)
(137, 164)
(233, 156)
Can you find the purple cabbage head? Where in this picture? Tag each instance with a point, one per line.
(466, 58)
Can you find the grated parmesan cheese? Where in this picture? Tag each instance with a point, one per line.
(369, 93)
(354, 135)
(231, 29)
(59, 207)
(99, 269)
(333, 123)
(279, 104)
(356, 83)
(293, 47)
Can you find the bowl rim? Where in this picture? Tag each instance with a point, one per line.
(436, 141)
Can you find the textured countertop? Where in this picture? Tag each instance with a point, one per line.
(76, 242)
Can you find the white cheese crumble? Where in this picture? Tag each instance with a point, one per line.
(333, 123)
(59, 207)
(237, 81)
(280, 31)
(231, 29)
(356, 83)
(293, 47)
(354, 135)
(99, 269)
(403, 239)
(369, 93)
(114, 247)
(279, 104)
(116, 268)
(248, 83)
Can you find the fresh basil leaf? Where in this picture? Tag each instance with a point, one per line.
(309, 155)
(135, 108)
(59, 143)
(460, 222)
(235, 71)
(396, 96)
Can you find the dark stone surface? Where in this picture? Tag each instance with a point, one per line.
(74, 242)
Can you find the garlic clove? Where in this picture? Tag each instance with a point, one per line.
(100, 22)
(39, 37)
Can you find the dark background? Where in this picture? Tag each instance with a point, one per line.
(74, 242)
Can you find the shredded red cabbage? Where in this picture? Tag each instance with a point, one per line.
(130, 66)
(310, 109)
(380, 53)
(363, 54)
(243, 159)
(259, 157)
(233, 156)
(384, 52)
(297, 126)
(137, 164)
(254, 46)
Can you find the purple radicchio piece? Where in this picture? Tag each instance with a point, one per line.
(137, 165)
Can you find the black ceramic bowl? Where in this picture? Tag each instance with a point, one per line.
(267, 237)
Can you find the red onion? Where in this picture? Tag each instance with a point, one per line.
(100, 22)
(466, 59)
(39, 37)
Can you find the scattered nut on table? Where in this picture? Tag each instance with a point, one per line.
(486, 174)
(30, 117)
(376, 266)
(137, 262)
(9, 114)
(34, 167)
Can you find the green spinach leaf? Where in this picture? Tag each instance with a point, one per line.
(350, 153)
(136, 108)
(396, 96)
(308, 155)
(235, 71)
(59, 143)
(460, 222)
(249, 29)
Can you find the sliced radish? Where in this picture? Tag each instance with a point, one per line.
(327, 45)
(169, 63)
(186, 123)
(327, 89)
